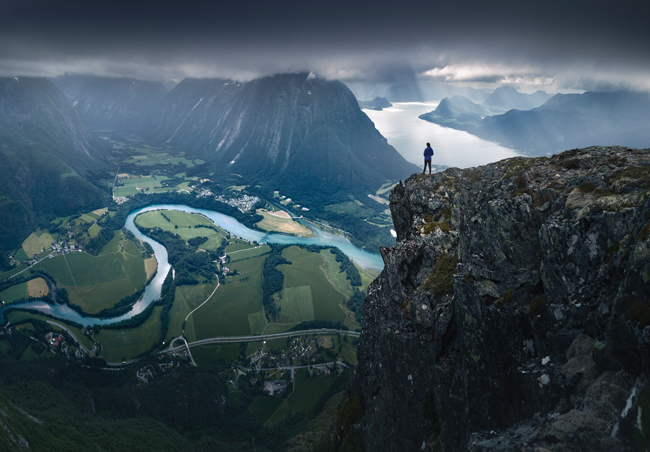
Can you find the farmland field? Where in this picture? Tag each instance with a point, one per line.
(177, 314)
(228, 313)
(37, 287)
(247, 253)
(305, 270)
(147, 184)
(98, 282)
(238, 245)
(191, 296)
(150, 267)
(277, 223)
(205, 354)
(13, 293)
(127, 343)
(35, 243)
(21, 255)
(273, 328)
(296, 305)
(332, 270)
(257, 322)
(186, 223)
(93, 231)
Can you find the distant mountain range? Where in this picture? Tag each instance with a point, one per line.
(306, 136)
(48, 158)
(416, 91)
(563, 122)
(110, 102)
(508, 98)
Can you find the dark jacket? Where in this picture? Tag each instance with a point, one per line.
(428, 152)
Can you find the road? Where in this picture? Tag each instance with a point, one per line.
(221, 340)
(28, 267)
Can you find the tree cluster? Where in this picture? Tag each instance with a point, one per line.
(273, 280)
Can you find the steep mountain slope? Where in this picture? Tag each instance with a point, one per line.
(303, 135)
(507, 98)
(48, 156)
(109, 102)
(513, 312)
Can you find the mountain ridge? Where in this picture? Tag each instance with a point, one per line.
(510, 313)
(49, 157)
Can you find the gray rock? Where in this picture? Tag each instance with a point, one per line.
(494, 268)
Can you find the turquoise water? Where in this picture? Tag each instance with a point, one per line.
(362, 258)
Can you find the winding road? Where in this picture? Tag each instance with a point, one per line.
(225, 340)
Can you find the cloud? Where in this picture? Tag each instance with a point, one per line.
(558, 45)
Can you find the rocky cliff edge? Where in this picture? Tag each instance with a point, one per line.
(512, 313)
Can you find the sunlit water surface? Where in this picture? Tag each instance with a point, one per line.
(409, 134)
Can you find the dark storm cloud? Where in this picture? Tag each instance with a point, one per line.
(570, 43)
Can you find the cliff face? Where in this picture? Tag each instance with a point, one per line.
(511, 313)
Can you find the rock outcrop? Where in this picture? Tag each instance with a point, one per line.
(512, 313)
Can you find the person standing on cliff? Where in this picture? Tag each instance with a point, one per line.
(428, 153)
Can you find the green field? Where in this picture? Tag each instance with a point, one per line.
(332, 270)
(186, 223)
(305, 395)
(306, 270)
(264, 407)
(5, 346)
(348, 349)
(278, 328)
(206, 354)
(286, 225)
(36, 242)
(189, 298)
(93, 231)
(228, 313)
(248, 253)
(150, 184)
(98, 282)
(177, 314)
(257, 322)
(14, 293)
(296, 305)
(238, 245)
(127, 343)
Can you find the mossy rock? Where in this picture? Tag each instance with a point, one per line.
(441, 279)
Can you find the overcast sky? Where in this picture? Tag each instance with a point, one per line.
(549, 45)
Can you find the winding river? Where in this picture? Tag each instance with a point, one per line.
(362, 258)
